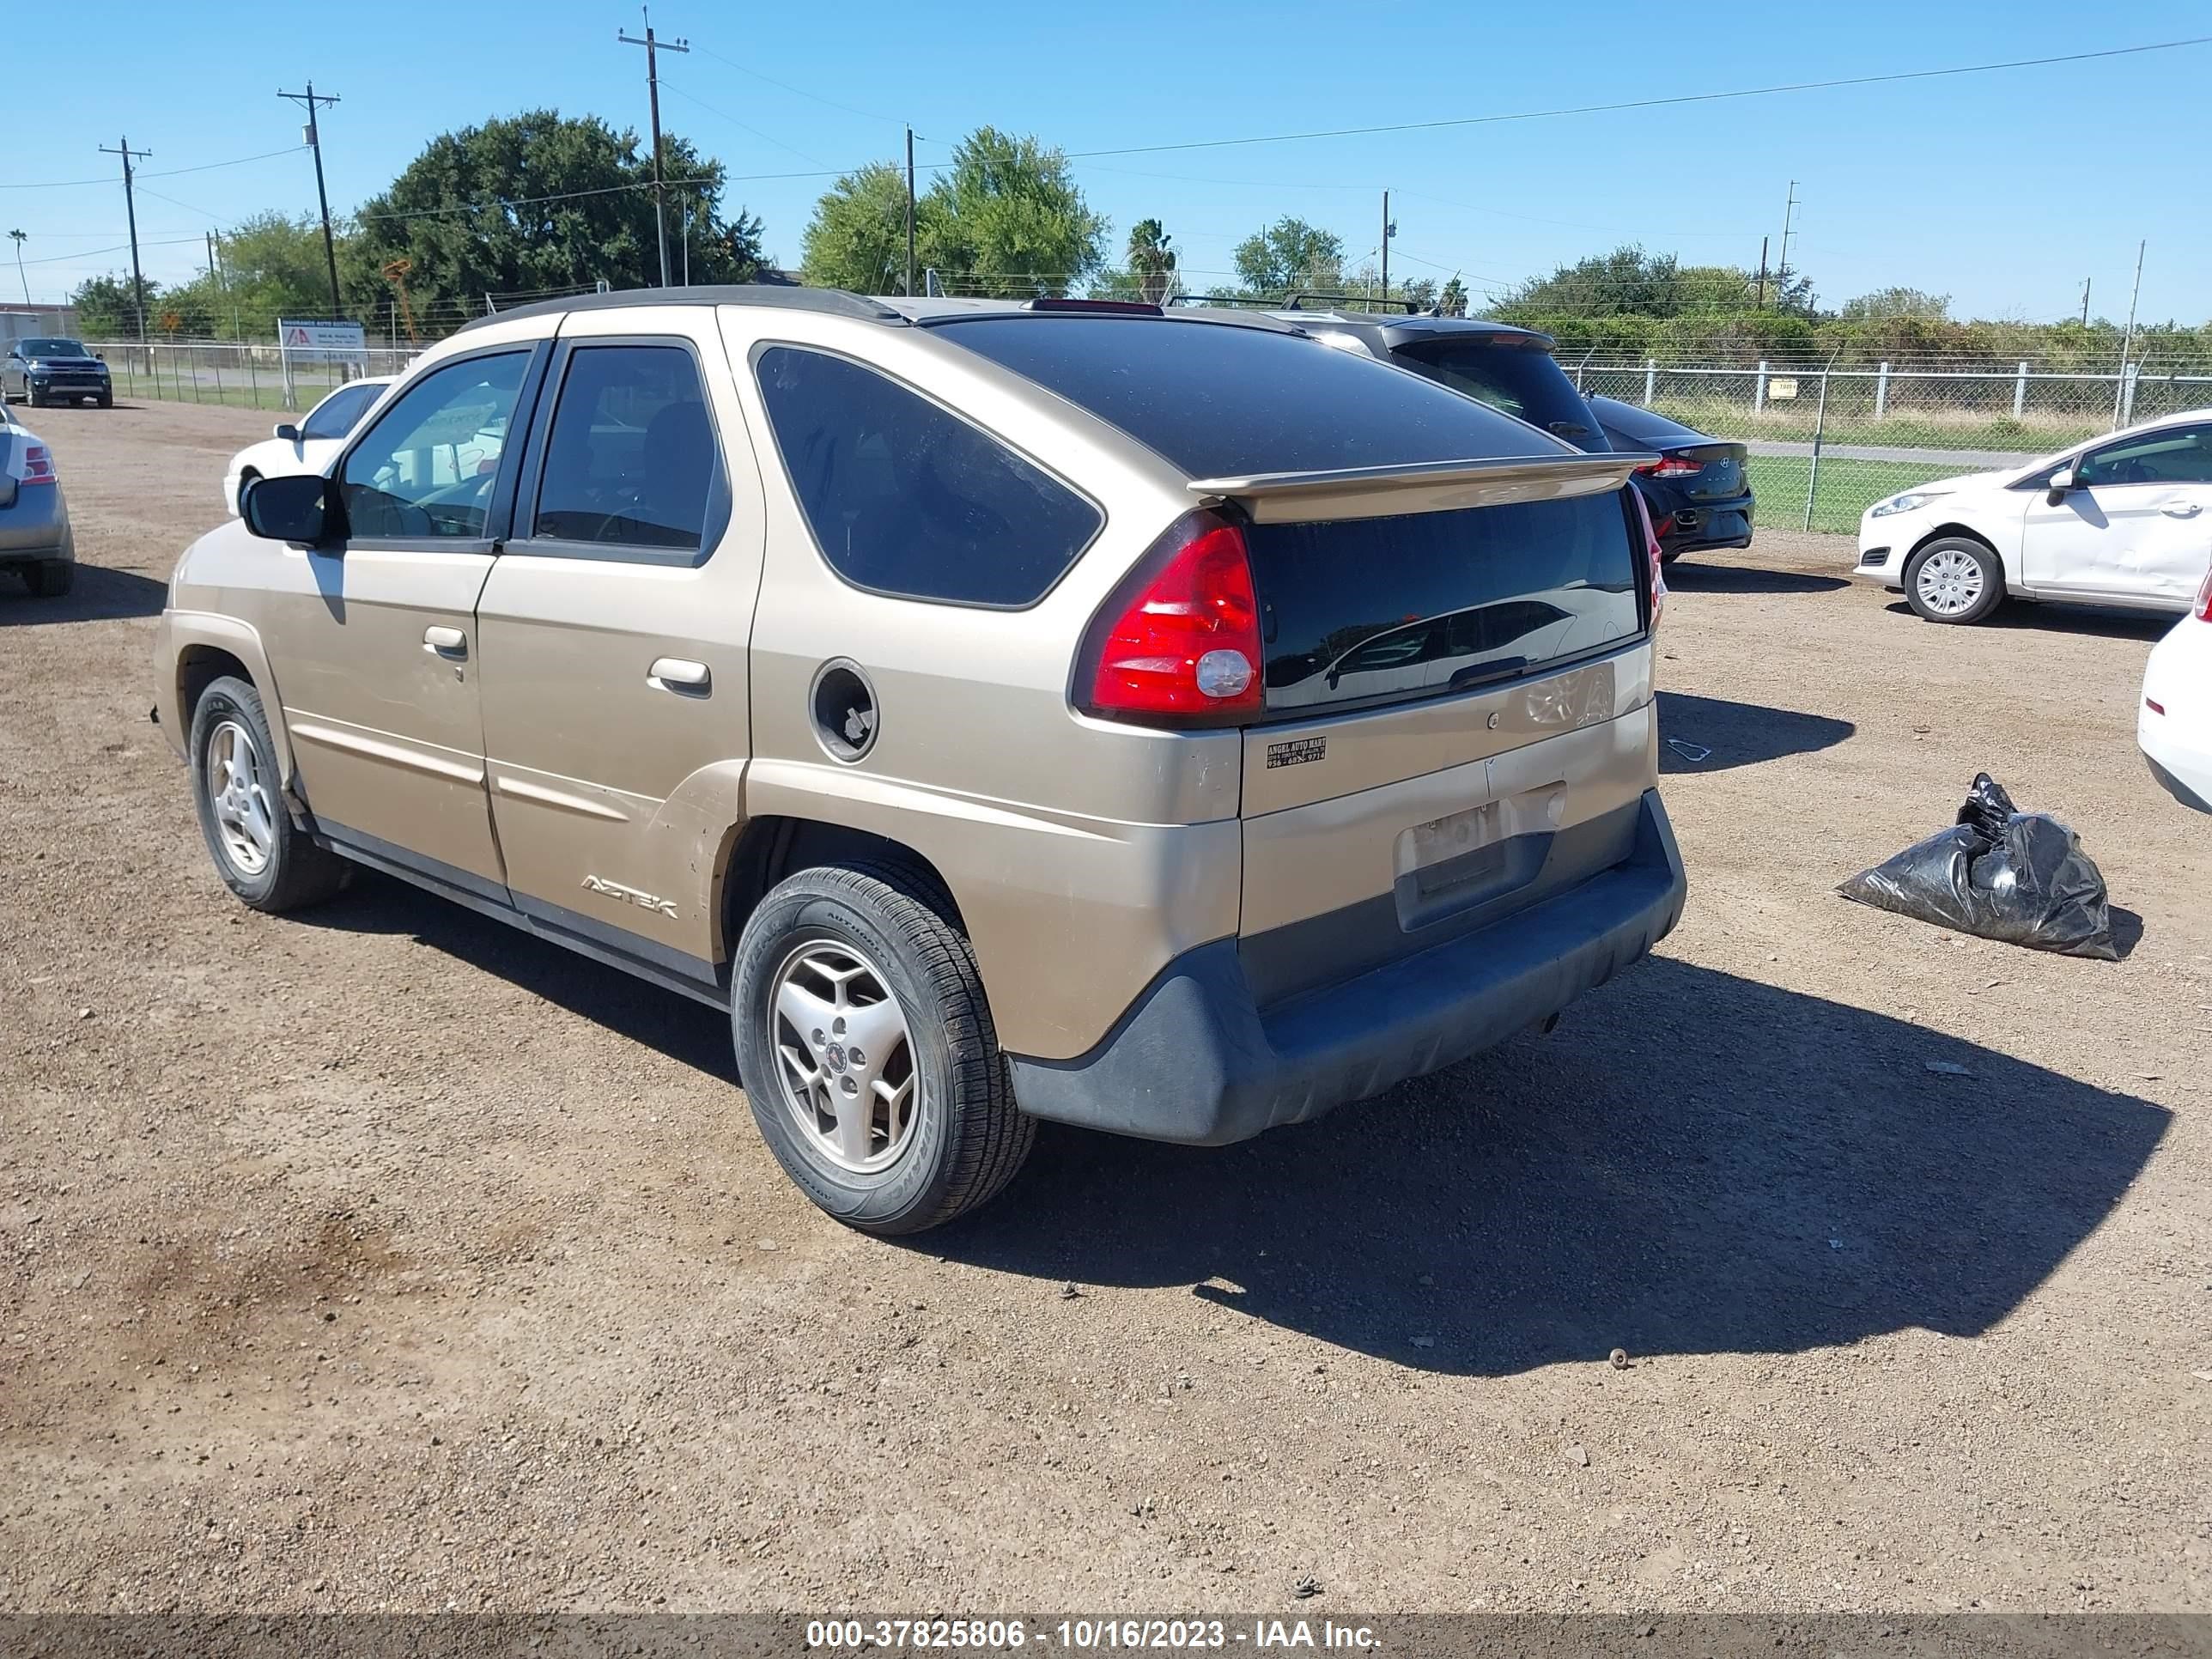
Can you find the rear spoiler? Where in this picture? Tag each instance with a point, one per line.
(1381, 492)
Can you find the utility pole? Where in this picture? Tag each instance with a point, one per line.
(909, 213)
(1389, 231)
(2084, 302)
(130, 209)
(18, 237)
(1762, 273)
(653, 47)
(2121, 401)
(1782, 265)
(309, 101)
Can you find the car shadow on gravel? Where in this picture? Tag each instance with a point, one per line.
(1695, 1163)
(1738, 734)
(2146, 626)
(1690, 574)
(95, 595)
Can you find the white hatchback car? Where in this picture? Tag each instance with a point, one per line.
(2123, 520)
(307, 447)
(2173, 728)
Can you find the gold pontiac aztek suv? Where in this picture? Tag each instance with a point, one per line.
(1164, 723)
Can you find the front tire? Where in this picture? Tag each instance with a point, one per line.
(264, 857)
(1954, 579)
(867, 1052)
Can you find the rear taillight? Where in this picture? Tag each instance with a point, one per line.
(2204, 599)
(38, 464)
(1672, 466)
(1651, 552)
(1179, 643)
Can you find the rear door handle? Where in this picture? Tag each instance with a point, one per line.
(446, 642)
(680, 675)
(2181, 509)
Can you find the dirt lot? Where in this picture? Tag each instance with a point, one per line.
(387, 1257)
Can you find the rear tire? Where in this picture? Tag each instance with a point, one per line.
(50, 579)
(817, 964)
(1954, 579)
(269, 861)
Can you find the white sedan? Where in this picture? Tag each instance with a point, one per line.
(2125, 519)
(307, 447)
(2173, 728)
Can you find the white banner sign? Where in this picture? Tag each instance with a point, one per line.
(322, 343)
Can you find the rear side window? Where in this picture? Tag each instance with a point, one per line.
(907, 499)
(1368, 611)
(1220, 400)
(1525, 381)
(631, 458)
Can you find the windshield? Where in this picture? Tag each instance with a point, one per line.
(1520, 380)
(53, 349)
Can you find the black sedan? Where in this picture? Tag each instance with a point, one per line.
(1697, 492)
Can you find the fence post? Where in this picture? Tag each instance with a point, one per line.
(2128, 377)
(1650, 379)
(1881, 392)
(2019, 393)
(1820, 428)
(1758, 389)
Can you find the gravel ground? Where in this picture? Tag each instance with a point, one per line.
(385, 1258)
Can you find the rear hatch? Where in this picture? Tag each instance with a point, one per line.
(1453, 614)
(1458, 720)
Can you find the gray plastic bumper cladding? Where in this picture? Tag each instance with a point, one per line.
(1196, 1060)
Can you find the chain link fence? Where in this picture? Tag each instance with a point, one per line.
(1826, 443)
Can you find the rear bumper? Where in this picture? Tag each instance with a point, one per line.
(1694, 527)
(1196, 1060)
(36, 527)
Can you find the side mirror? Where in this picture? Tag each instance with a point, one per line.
(99, 356)
(285, 430)
(289, 508)
(2061, 482)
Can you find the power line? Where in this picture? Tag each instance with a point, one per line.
(1652, 103)
(830, 102)
(170, 172)
(766, 138)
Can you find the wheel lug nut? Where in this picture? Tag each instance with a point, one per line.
(856, 1056)
(837, 1026)
(848, 1085)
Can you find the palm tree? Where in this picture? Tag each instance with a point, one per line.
(1151, 261)
(18, 237)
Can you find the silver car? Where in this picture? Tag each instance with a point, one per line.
(35, 522)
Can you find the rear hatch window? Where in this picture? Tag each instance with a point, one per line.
(1523, 379)
(1372, 611)
(1222, 399)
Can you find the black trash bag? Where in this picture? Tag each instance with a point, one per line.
(2000, 873)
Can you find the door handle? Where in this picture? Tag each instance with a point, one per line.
(2181, 509)
(446, 642)
(680, 675)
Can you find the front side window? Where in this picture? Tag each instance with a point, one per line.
(631, 459)
(335, 415)
(426, 468)
(2173, 455)
(906, 498)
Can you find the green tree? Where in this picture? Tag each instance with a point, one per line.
(1008, 218)
(104, 310)
(1005, 218)
(1887, 302)
(538, 204)
(1453, 300)
(1151, 261)
(1285, 256)
(857, 237)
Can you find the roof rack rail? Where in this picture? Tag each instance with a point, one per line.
(835, 301)
(1411, 307)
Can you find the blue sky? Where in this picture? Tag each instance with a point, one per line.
(2005, 190)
